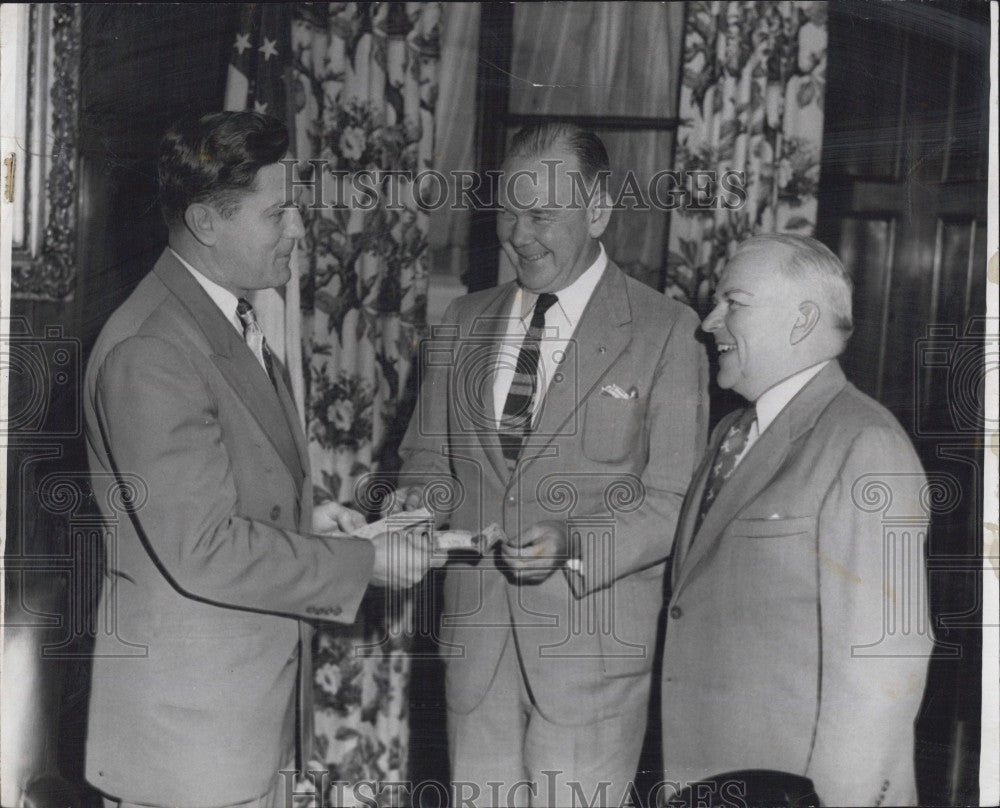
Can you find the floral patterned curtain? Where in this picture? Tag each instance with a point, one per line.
(364, 90)
(752, 90)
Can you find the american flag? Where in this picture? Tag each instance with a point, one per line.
(259, 80)
(260, 60)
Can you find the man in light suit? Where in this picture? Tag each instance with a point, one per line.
(214, 551)
(797, 637)
(569, 408)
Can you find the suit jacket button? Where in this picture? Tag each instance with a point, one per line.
(676, 612)
(275, 513)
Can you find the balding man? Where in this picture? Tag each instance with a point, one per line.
(571, 410)
(796, 637)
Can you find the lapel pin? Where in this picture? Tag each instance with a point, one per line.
(602, 349)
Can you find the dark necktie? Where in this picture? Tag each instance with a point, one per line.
(254, 337)
(515, 423)
(724, 464)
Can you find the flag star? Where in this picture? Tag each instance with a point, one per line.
(242, 43)
(268, 48)
(260, 107)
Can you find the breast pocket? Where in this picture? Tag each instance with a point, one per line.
(611, 428)
(773, 528)
(771, 567)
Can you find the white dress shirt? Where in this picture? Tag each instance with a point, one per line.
(773, 400)
(560, 323)
(223, 298)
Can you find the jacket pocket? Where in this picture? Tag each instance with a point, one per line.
(611, 427)
(772, 528)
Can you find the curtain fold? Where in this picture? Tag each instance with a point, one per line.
(455, 117)
(365, 82)
(751, 100)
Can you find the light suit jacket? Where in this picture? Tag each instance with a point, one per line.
(200, 470)
(616, 467)
(797, 636)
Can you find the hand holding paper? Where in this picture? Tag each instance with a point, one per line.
(440, 540)
(332, 517)
(538, 551)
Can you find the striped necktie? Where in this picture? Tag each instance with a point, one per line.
(515, 424)
(724, 464)
(254, 337)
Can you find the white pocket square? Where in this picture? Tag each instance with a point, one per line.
(615, 391)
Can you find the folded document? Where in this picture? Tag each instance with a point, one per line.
(443, 539)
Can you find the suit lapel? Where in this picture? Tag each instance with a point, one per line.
(750, 477)
(603, 333)
(692, 501)
(486, 331)
(755, 471)
(292, 417)
(234, 360)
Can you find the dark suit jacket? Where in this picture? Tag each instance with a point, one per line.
(201, 473)
(618, 467)
(797, 636)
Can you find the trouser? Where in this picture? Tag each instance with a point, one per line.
(274, 798)
(506, 753)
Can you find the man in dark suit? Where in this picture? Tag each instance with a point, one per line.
(215, 555)
(568, 407)
(797, 636)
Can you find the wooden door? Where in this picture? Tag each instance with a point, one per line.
(903, 202)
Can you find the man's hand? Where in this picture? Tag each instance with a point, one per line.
(402, 557)
(537, 552)
(403, 499)
(331, 517)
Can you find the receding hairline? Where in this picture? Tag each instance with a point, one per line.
(812, 266)
(545, 152)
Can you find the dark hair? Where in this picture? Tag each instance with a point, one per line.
(215, 159)
(537, 138)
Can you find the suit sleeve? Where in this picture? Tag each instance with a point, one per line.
(159, 420)
(424, 449)
(875, 638)
(675, 429)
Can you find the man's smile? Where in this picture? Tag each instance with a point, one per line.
(534, 257)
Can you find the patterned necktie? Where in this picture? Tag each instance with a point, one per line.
(725, 460)
(515, 423)
(254, 337)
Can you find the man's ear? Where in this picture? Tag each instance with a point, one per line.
(805, 321)
(598, 215)
(202, 222)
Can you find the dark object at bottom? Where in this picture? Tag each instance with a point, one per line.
(748, 788)
(50, 791)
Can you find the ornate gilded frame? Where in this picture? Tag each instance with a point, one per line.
(44, 250)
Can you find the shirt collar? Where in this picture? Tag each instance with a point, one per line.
(222, 297)
(775, 399)
(573, 299)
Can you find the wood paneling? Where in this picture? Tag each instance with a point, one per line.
(143, 66)
(903, 202)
